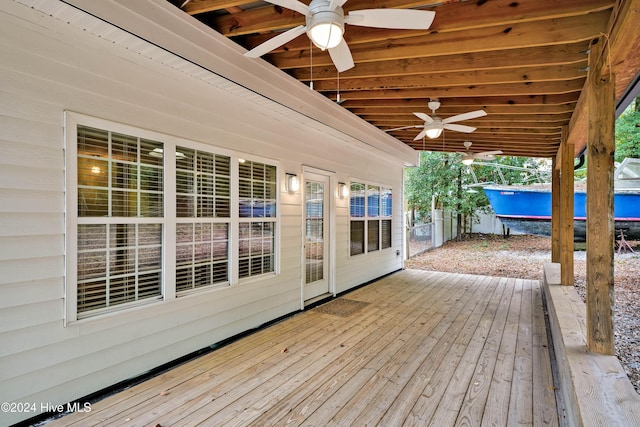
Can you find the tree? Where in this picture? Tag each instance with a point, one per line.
(628, 132)
(443, 180)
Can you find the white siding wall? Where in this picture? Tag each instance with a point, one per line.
(49, 67)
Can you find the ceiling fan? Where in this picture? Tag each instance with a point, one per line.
(434, 125)
(325, 26)
(468, 156)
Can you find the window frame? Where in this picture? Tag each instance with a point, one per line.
(169, 221)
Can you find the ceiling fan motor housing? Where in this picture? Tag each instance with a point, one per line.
(433, 105)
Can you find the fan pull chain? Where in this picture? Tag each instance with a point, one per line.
(338, 96)
(311, 71)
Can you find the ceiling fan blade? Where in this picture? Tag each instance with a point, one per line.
(465, 116)
(292, 4)
(424, 117)
(341, 56)
(490, 153)
(276, 42)
(420, 135)
(336, 3)
(404, 127)
(401, 19)
(459, 128)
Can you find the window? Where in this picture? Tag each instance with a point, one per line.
(357, 210)
(119, 235)
(203, 201)
(143, 210)
(257, 210)
(371, 211)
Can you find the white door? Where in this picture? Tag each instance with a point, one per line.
(316, 236)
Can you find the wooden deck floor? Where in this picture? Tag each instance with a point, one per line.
(415, 348)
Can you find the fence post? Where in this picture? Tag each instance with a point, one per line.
(438, 224)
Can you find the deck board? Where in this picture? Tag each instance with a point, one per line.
(419, 348)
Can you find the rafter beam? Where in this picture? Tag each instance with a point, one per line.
(527, 57)
(515, 89)
(500, 76)
(420, 103)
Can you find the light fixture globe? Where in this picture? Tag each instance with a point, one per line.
(325, 26)
(434, 129)
(467, 159)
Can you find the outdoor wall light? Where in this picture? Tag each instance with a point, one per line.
(292, 184)
(343, 191)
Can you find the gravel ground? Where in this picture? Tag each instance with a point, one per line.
(523, 256)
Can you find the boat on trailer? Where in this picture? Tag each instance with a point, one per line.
(527, 208)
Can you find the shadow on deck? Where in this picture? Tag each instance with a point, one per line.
(414, 348)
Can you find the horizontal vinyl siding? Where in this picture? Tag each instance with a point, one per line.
(50, 67)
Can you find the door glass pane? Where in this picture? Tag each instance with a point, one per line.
(314, 240)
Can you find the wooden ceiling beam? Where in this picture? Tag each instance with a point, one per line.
(527, 57)
(195, 7)
(528, 134)
(504, 118)
(420, 103)
(524, 151)
(529, 111)
(515, 89)
(449, 79)
(484, 145)
(479, 146)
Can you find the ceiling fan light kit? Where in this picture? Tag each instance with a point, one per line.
(434, 129)
(468, 156)
(325, 26)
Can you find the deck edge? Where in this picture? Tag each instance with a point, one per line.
(595, 388)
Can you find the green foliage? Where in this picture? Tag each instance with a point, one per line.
(441, 178)
(628, 132)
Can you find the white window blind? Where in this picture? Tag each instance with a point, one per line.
(120, 197)
(257, 211)
(203, 191)
(371, 211)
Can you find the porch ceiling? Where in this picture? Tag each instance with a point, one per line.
(523, 62)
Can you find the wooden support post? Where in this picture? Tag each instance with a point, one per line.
(600, 222)
(566, 211)
(555, 210)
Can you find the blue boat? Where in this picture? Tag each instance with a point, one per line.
(528, 208)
